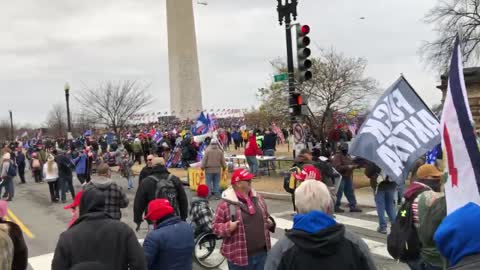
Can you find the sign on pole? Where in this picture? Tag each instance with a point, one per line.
(280, 77)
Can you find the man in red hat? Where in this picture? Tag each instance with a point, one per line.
(242, 220)
(170, 245)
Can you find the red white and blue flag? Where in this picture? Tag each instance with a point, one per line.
(461, 155)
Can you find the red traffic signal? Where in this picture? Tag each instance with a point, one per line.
(305, 29)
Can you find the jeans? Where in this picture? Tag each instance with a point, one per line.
(384, 200)
(213, 182)
(255, 262)
(9, 187)
(21, 172)
(66, 185)
(130, 182)
(253, 164)
(53, 188)
(270, 153)
(346, 186)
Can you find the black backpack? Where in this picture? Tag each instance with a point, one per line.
(403, 243)
(166, 189)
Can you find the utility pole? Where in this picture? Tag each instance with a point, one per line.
(67, 98)
(11, 126)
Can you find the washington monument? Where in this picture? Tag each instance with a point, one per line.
(185, 91)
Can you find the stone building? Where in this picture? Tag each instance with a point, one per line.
(472, 82)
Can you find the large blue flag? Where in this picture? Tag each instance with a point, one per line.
(201, 127)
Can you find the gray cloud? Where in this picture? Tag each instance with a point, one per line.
(45, 45)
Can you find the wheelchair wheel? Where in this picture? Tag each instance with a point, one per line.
(207, 251)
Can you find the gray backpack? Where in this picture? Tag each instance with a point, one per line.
(165, 189)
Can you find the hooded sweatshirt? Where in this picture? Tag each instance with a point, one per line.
(458, 238)
(115, 197)
(316, 239)
(251, 149)
(92, 237)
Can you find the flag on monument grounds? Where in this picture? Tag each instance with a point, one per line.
(399, 130)
(461, 155)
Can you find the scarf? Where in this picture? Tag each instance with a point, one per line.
(247, 200)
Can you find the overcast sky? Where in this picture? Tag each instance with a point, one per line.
(46, 43)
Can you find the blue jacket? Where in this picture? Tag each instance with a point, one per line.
(458, 235)
(80, 164)
(170, 246)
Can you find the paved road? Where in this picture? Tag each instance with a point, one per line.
(43, 222)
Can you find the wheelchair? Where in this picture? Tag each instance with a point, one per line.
(207, 250)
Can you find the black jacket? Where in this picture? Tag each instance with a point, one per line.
(144, 173)
(65, 166)
(330, 248)
(20, 250)
(92, 236)
(372, 171)
(146, 193)
(269, 141)
(20, 158)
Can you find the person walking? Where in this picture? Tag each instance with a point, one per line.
(7, 178)
(115, 197)
(80, 163)
(21, 163)
(237, 139)
(117, 248)
(50, 174)
(384, 192)
(147, 170)
(343, 163)
(160, 184)
(251, 152)
(245, 137)
(65, 176)
(242, 220)
(20, 249)
(213, 162)
(170, 245)
(126, 166)
(36, 168)
(269, 147)
(316, 239)
(137, 150)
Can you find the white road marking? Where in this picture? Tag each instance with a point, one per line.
(375, 247)
(372, 213)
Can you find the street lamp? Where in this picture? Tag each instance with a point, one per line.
(67, 97)
(11, 125)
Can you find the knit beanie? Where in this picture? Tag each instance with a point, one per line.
(202, 191)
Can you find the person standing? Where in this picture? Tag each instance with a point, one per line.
(81, 242)
(237, 139)
(115, 197)
(384, 192)
(7, 178)
(137, 150)
(170, 245)
(213, 162)
(245, 137)
(245, 230)
(147, 170)
(81, 167)
(145, 148)
(127, 169)
(65, 176)
(269, 146)
(36, 168)
(50, 174)
(343, 163)
(20, 249)
(21, 163)
(251, 152)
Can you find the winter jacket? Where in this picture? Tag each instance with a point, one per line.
(316, 239)
(20, 250)
(251, 149)
(146, 193)
(144, 173)
(341, 163)
(170, 245)
(80, 164)
(127, 167)
(269, 141)
(137, 147)
(65, 166)
(236, 136)
(96, 237)
(234, 245)
(6, 248)
(115, 197)
(214, 160)
(50, 176)
(201, 215)
(372, 171)
(20, 158)
(457, 238)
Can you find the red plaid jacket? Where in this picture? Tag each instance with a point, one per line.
(234, 246)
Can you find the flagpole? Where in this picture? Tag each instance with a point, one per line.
(414, 91)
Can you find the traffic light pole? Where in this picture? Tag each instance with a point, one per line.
(291, 75)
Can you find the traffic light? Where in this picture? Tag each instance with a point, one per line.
(303, 52)
(297, 104)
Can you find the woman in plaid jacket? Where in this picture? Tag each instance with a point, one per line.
(242, 220)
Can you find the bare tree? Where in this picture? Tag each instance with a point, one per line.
(4, 130)
(113, 103)
(450, 17)
(338, 84)
(57, 121)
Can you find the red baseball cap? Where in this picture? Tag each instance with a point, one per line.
(76, 201)
(241, 175)
(306, 171)
(158, 209)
